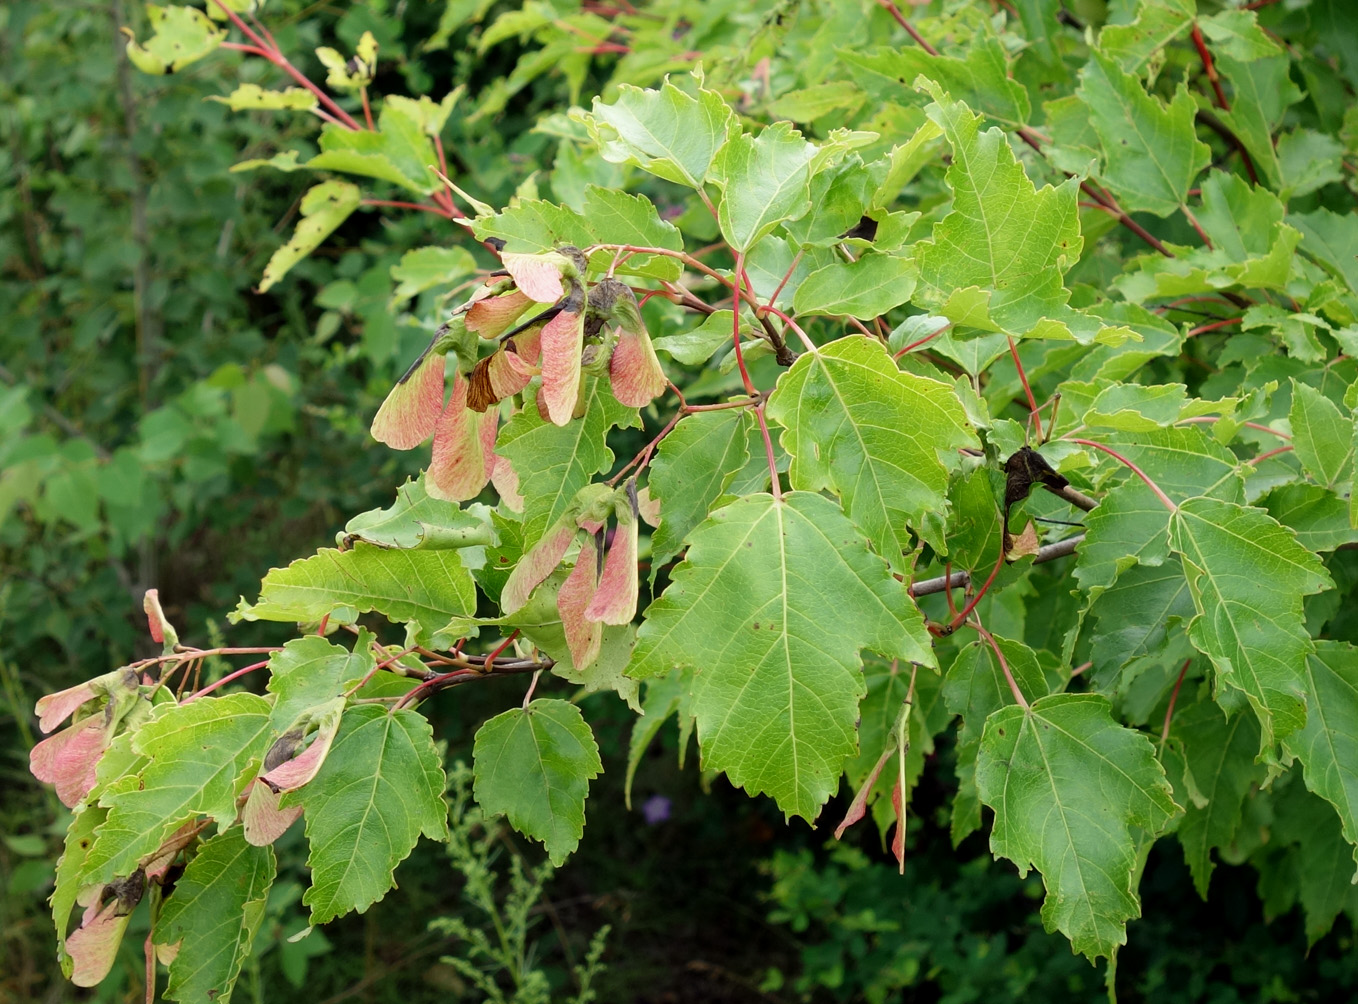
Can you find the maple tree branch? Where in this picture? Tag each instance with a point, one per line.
(275, 56)
(960, 580)
(810, 345)
(469, 668)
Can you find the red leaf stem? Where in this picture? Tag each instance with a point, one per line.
(1009, 676)
(1159, 493)
(1033, 416)
(768, 450)
(1174, 696)
(1206, 56)
(228, 678)
(895, 12)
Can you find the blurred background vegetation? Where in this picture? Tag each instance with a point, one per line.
(162, 425)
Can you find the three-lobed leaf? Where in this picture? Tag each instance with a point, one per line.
(856, 424)
(211, 919)
(534, 765)
(1247, 575)
(378, 790)
(776, 687)
(1008, 239)
(201, 757)
(765, 180)
(1070, 788)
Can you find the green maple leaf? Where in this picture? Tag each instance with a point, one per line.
(973, 687)
(534, 765)
(1068, 786)
(980, 78)
(425, 589)
(213, 916)
(311, 671)
(1237, 34)
(1133, 617)
(201, 757)
(247, 97)
(868, 287)
(533, 226)
(765, 180)
(775, 690)
(1218, 754)
(182, 35)
(1262, 91)
(1184, 462)
(856, 424)
(1317, 865)
(1327, 745)
(1318, 515)
(1130, 526)
(378, 790)
(1321, 435)
(887, 688)
(1332, 240)
(1151, 155)
(554, 462)
(1009, 240)
(1247, 574)
(399, 150)
(1252, 246)
(427, 268)
(671, 134)
(417, 520)
(1158, 22)
(669, 695)
(692, 469)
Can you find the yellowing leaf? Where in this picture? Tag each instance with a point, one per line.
(323, 208)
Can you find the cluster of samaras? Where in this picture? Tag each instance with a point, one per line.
(580, 333)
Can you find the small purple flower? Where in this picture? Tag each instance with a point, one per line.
(656, 809)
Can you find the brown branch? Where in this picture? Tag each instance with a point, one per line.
(958, 580)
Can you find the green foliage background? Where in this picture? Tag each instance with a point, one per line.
(163, 425)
